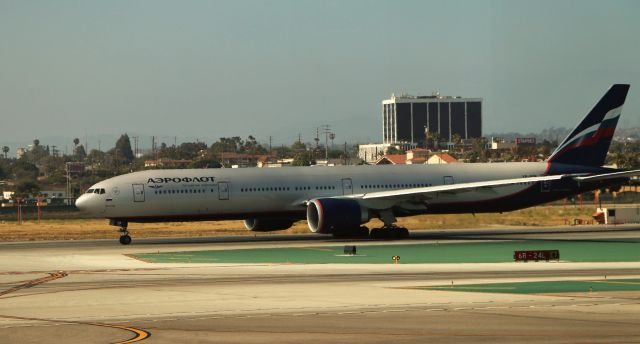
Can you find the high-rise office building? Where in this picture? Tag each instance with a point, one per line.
(409, 119)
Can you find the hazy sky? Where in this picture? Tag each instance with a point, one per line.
(206, 69)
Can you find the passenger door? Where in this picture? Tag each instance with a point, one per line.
(138, 192)
(347, 186)
(223, 191)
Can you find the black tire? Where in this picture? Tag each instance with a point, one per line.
(356, 233)
(125, 240)
(376, 233)
(403, 233)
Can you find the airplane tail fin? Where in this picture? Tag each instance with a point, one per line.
(588, 143)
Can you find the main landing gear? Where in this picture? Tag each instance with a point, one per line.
(389, 230)
(361, 232)
(125, 239)
(392, 232)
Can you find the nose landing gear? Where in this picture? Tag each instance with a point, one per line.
(125, 239)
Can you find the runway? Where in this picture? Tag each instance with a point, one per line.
(93, 292)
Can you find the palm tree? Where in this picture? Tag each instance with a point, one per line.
(76, 141)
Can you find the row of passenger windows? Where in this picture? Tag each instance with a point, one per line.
(189, 191)
(395, 186)
(277, 188)
(295, 188)
(269, 189)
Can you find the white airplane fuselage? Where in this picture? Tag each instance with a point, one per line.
(199, 194)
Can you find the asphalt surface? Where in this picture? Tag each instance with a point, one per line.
(95, 292)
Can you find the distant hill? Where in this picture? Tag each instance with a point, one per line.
(552, 134)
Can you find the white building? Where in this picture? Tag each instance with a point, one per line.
(371, 152)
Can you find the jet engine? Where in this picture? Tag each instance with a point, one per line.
(268, 224)
(335, 216)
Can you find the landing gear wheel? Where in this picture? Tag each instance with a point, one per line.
(360, 232)
(389, 233)
(125, 239)
(377, 233)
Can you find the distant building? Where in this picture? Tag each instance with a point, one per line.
(238, 159)
(410, 119)
(417, 156)
(20, 152)
(370, 153)
(392, 159)
(441, 158)
(498, 143)
(167, 162)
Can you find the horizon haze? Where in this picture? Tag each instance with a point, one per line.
(207, 69)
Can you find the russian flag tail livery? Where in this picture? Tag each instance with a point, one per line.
(588, 143)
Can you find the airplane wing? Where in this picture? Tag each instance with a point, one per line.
(606, 176)
(453, 188)
(385, 199)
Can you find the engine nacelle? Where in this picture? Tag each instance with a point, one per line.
(268, 225)
(331, 216)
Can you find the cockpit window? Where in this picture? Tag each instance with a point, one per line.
(90, 191)
(101, 191)
(96, 191)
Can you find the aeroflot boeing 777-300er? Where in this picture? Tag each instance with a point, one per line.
(338, 200)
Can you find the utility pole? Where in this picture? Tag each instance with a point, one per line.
(326, 130)
(153, 148)
(68, 183)
(345, 152)
(135, 146)
(270, 139)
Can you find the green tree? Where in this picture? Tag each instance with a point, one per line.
(5, 150)
(302, 159)
(456, 139)
(251, 146)
(123, 150)
(81, 154)
(96, 158)
(227, 144)
(298, 146)
(26, 188)
(190, 150)
(282, 152)
(205, 163)
(394, 150)
(22, 169)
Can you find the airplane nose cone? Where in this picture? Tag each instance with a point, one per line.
(81, 203)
